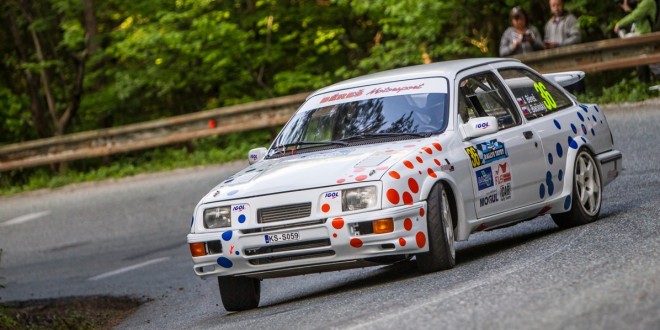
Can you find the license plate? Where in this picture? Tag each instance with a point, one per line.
(274, 238)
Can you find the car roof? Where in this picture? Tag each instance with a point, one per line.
(448, 69)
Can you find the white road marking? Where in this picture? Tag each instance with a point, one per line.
(127, 269)
(24, 218)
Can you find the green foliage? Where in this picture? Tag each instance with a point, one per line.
(626, 90)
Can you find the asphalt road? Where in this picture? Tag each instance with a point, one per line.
(127, 237)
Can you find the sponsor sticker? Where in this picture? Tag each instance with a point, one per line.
(484, 178)
(486, 152)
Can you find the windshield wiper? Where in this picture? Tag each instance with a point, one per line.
(282, 147)
(384, 134)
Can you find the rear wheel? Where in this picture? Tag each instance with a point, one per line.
(441, 253)
(586, 196)
(239, 293)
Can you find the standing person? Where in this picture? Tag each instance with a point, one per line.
(563, 28)
(640, 18)
(520, 38)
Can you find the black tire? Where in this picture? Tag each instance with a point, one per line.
(586, 197)
(239, 293)
(441, 255)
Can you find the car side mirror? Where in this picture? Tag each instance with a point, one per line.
(479, 126)
(256, 155)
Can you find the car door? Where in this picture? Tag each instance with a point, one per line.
(507, 165)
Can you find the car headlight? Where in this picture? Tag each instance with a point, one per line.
(358, 198)
(217, 217)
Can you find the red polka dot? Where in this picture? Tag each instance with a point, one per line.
(437, 162)
(334, 235)
(393, 196)
(402, 241)
(408, 164)
(420, 160)
(437, 146)
(394, 174)
(341, 180)
(432, 173)
(420, 172)
(337, 223)
(421, 239)
(325, 208)
(361, 177)
(407, 198)
(421, 212)
(412, 184)
(361, 169)
(428, 150)
(407, 224)
(356, 242)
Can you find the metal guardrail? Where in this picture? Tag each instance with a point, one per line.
(588, 57)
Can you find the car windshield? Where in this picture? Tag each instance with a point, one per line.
(363, 120)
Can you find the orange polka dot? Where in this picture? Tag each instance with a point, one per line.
(412, 184)
(421, 212)
(432, 173)
(361, 177)
(420, 238)
(437, 162)
(394, 174)
(407, 198)
(408, 164)
(334, 235)
(337, 223)
(428, 150)
(325, 208)
(341, 180)
(402, 241)
(381, 168)
(407, 224)
(419, 159)
(356, 242)
(437, 146)
(393, 196)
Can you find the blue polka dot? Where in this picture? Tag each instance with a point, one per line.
(583, 139)
(584, 129)
(233, 192)
(560, 150)
(596, 108)
(224, 262)
(567, 202)
(227, 235)
(192, 221)
(572, 143)
(557, 124)
(580, 116)
(574, 128)
(550, 159)
(237, 253)
(593, 132)
(560, 175)
(584, 107)
(595, 119)
(228, 181)
(548, 181)
(542, 191)
(241, 218)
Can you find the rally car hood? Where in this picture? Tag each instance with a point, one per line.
(313, 170)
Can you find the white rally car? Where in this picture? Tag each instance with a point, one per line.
(403, 163)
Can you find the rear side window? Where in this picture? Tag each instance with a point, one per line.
(535, 96)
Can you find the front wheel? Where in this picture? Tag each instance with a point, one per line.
(441, 254)
(586, 196)
(239, 293)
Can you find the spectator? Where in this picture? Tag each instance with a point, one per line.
(640, 18)
(563, 28)
(520, 38)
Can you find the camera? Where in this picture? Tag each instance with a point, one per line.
(631, 3)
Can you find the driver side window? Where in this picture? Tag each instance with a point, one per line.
(482, 95)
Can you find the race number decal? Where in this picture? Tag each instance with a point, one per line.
(548, 100)
(474, 156)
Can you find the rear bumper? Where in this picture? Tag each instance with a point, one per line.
(324, 245)
(610, 165)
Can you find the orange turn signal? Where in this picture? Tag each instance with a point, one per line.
(197, 249)
(382, 226)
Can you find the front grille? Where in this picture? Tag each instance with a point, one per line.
(291, 225)
(269, 260)
(284, 212)
(287, 247)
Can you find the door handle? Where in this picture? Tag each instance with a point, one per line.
(528, 134)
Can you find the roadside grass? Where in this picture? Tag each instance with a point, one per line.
(602, 88)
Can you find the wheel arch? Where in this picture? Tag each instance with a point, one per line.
(454, 194)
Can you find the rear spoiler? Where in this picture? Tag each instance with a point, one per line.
(572, 81)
